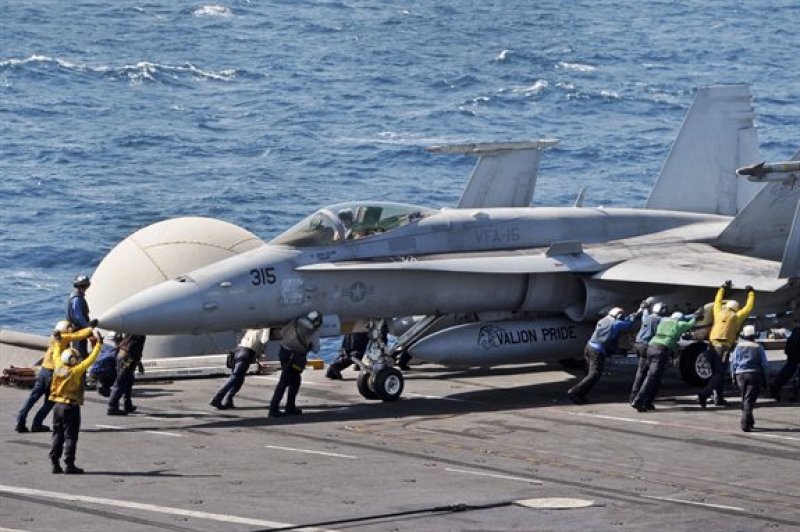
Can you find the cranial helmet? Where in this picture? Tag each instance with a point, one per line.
(63, 326)
(81, 281)
(676, 315)
(748, 331)
(315, 318)
(660, 309)
(616, 313)
(70, 357)
(732, 305)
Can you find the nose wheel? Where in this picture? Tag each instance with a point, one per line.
(378, 378)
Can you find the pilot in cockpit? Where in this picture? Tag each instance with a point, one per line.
(346, 219)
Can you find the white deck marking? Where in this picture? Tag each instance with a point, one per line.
(493, 475)
(309, 451)
(112, 427)
(694, 503)
(156, 432)
(17, 490)
(436, 397)
(305, 381)
(775, 436)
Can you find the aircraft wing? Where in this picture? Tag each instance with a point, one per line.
(698, 265)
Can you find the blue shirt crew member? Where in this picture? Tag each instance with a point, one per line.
(129, 357)
(298, 337)
(250, 347)
(749, 370)
(78, 311)
(789, 369)
(104, 370)
(651, 316)
(603, 342)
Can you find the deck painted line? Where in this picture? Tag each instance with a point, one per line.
(774, 436)
(441, 398)
(695, 503)
(305, 382)
(309, 451)
(494, 475)
(617, 418)
(164, 433)
(111, 427)
(50, 495)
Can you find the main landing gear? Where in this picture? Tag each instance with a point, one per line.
(378, 379)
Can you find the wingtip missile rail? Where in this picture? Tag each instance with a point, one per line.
(764, 172)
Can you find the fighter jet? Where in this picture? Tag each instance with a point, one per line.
(500, 281)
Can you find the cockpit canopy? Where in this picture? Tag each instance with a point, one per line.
(350, 221)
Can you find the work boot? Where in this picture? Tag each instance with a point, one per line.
(216, 403)
(575, 398)
(228, 404)
(40, 428)
(702, 401)
(333, 374)
(72, 469)
(130, 409)
(116, 412)
(57, 468)
(293, 411)
(275, 413)
(775, 393)
(21, 427)
(650, 406)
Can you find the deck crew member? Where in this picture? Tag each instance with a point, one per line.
(728, 320)
(663, 343)
(651, 315)
(604, 342)
(78, 310)
(104, 369)
(298, 337)
(62, 335)
(67, 394)
(129, 359)
(353, 345)
(749, 370)
(789, 369)
(249, 349)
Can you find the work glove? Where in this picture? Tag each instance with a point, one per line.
(749, 288)
(93, 323)
(57, 335)
(727, 284)
(699, 313)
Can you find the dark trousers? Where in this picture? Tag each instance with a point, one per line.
(657, 359)
(788, 370)
(596, 362)
(750, 386)
(290, 380)
(641, 370)
(717, 356)
(243, 357)
(66, 426)
(82, 346)
(123, 387)
(40, 388)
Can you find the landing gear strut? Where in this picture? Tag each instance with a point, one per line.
(378, 378)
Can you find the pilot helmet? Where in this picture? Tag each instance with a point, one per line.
(676, 315)
(660, 309)
(616, 313)
(345, 215)
(70, 357)
(748, 331)
(732, 305)
(81, 281)
(63, 326)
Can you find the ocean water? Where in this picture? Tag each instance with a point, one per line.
(117, 115)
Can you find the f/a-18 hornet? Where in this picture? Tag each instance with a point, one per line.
(499, 281)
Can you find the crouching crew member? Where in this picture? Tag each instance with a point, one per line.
(298, 337)
(789, 368)
(104, 370)
(664, 343)
(603, 342)
(728, 320)
(749, 371)
(353, 345)
(62, 336)
(129, 359)
(67, 394)
(249, 349)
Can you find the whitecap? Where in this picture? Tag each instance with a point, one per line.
(531, 90)
(503, 55)
(611, 95)
(578, 67)
(212, 11)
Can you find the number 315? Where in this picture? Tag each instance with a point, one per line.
(263, 276)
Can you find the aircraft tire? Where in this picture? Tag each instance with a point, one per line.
(362, 383)
(388, 384)
(693, 365)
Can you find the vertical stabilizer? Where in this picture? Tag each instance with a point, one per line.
(505, 175)
(717, 137)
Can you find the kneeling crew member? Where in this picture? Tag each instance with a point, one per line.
(728, 320)
(67, 394)
(353, 345)
(603, 342)
(749, 370)
(249, 349)
(298, 337)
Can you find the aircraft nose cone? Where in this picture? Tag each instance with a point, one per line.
(168, 308)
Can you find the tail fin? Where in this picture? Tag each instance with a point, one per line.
(762, 228)
(505, 175)
(717, 137)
